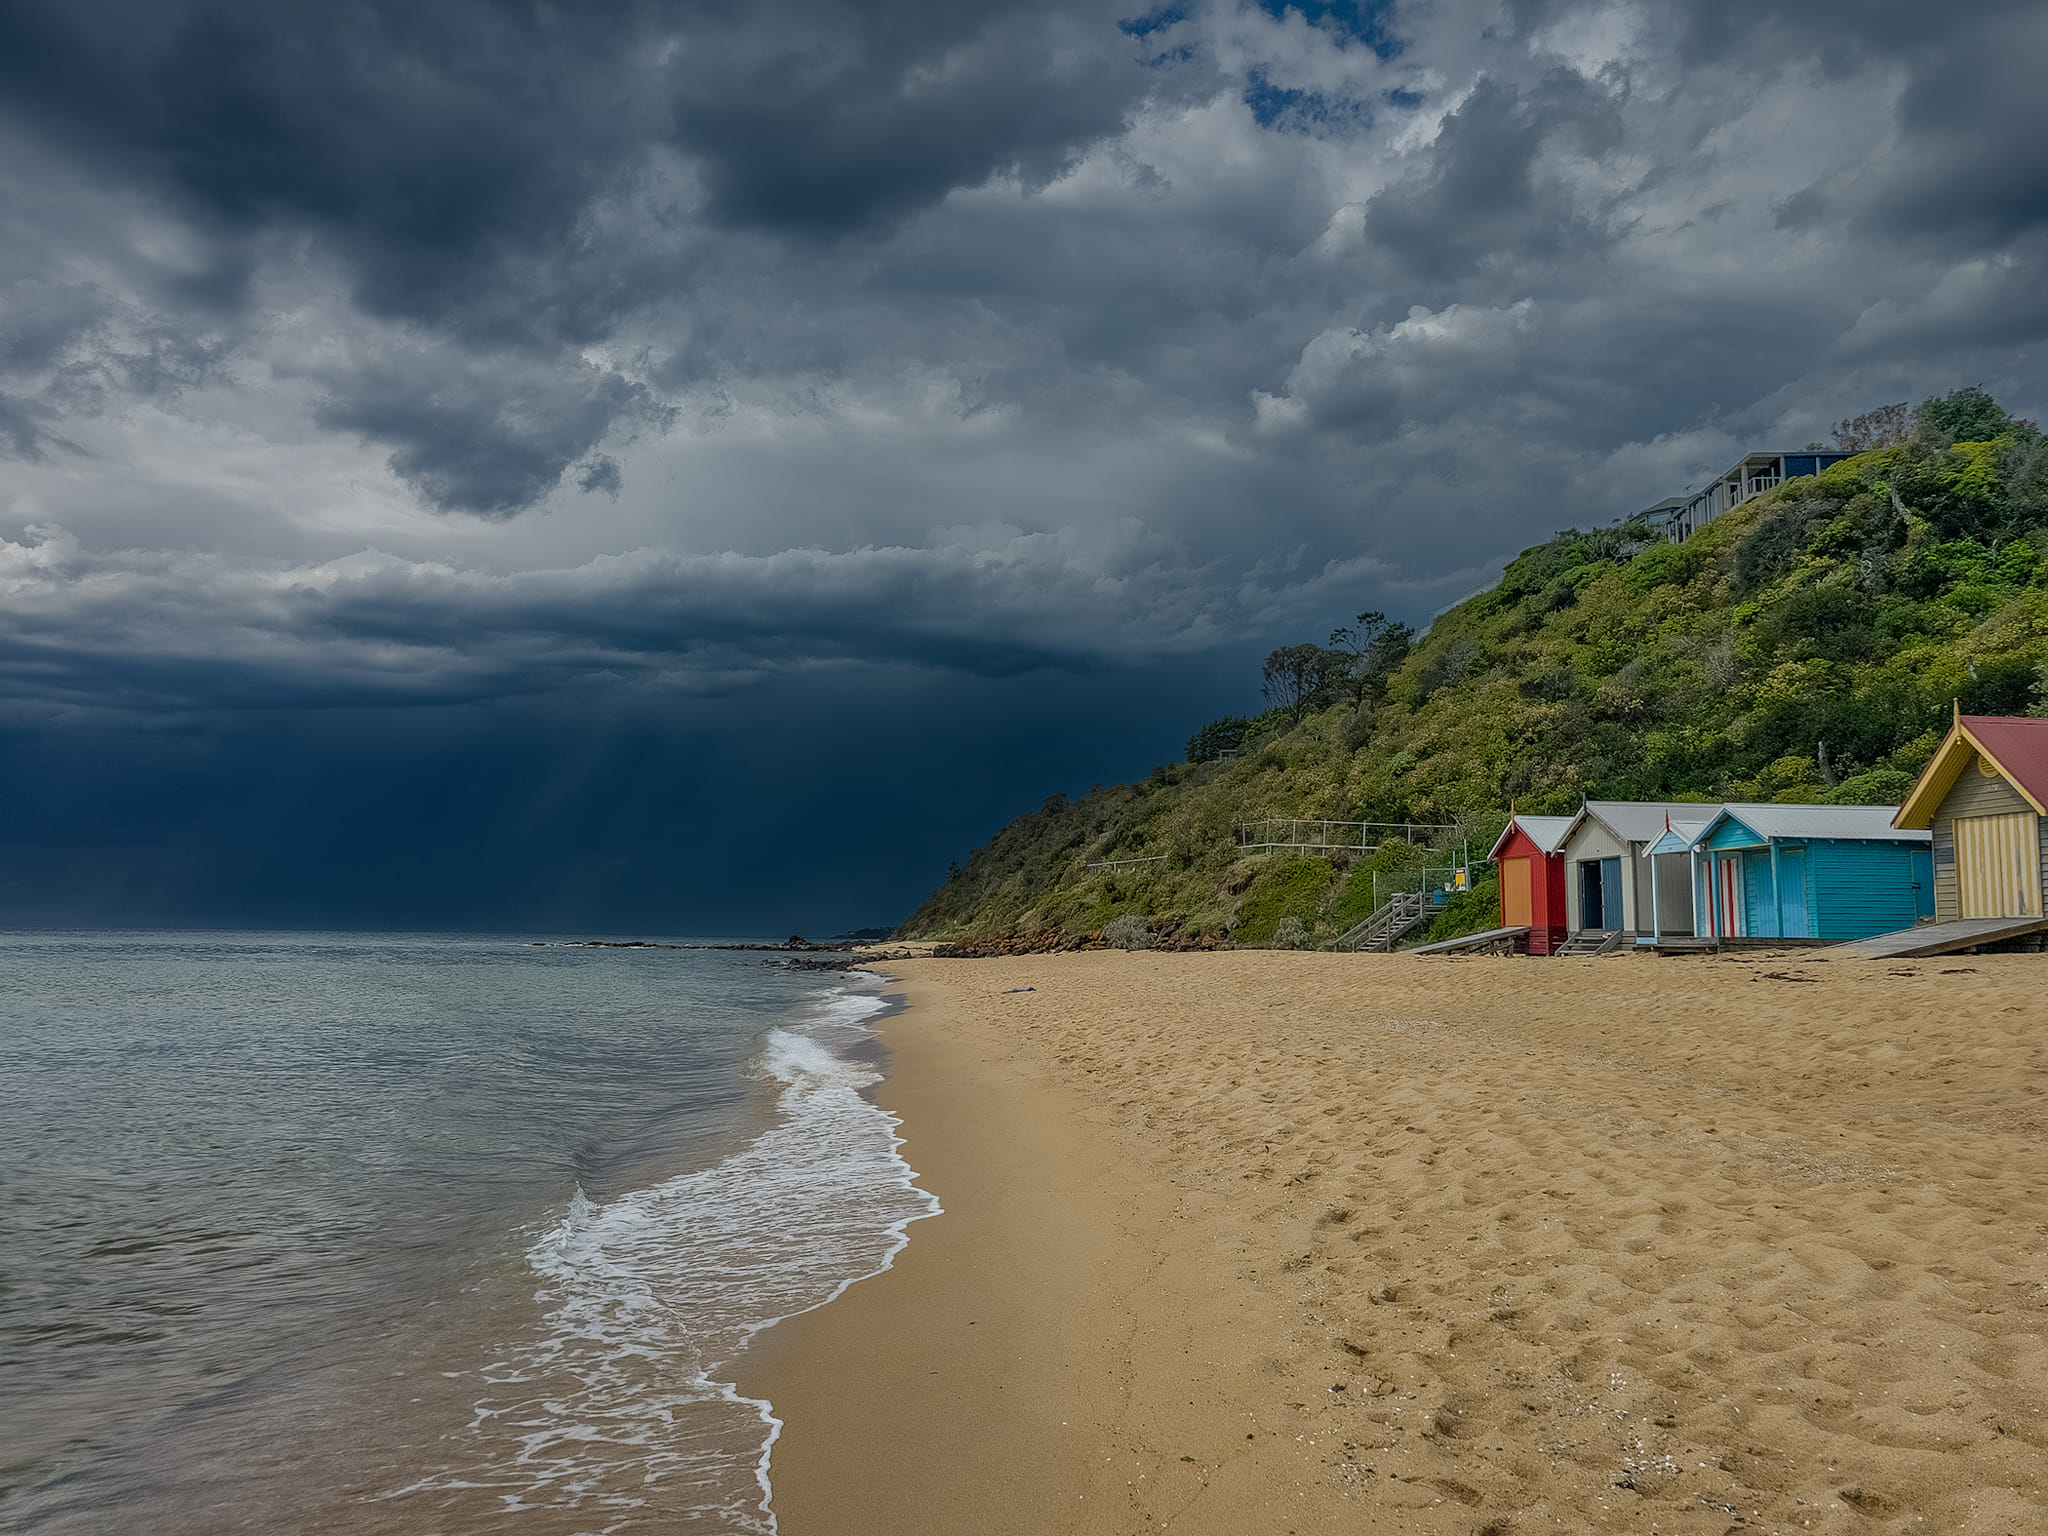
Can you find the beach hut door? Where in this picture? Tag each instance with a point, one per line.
(1600, 894)
(1730, 897)
(1998, 865)
(1515, 904)
(1791, 876)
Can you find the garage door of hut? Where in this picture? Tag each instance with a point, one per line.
(1516, 899)
(1998, 865)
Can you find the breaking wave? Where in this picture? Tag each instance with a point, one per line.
(616, 1409)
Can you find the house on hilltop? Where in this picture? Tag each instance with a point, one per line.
(1679, 517)
(1984, 800)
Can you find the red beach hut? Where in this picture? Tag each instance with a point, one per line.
(1531, 858)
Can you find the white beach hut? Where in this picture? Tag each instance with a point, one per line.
(1608, 873)
(1674, 880)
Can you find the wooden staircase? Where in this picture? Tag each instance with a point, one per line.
(1591, 941)
(1397, 916)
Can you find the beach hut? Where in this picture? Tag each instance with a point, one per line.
(1607, 865)
(1809, 873)
(1531, 860)
(1984, 800)
(1674, 881)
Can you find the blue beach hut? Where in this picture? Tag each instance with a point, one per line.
(1816, 872)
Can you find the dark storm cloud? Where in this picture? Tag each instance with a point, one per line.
(1974, 120)
(825, 119)
(466, 164)
(69, 347)
(1480, 194)
(513, 246)
(1971, 159)
(487, 435)
(146, 629)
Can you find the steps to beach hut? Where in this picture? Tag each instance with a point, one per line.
(1395, 918)
(1592, 941)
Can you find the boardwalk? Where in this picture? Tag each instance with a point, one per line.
(1942, 938)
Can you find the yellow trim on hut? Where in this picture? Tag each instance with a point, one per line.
(1940, 775)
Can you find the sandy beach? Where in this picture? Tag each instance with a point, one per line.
(1263, 1242)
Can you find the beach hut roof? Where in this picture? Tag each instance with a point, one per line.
(1546, 832)
(1680, 837)
(2017, 747)
(1641, 821)
(1872, 823)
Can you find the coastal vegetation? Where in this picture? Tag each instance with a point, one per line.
(1806, 646)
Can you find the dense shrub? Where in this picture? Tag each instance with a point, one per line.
(1128, 932)
(1218, 737)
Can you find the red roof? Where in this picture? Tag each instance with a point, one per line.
(2019, 746)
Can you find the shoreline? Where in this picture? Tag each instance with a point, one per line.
(1295, 1243)
(936, 1353)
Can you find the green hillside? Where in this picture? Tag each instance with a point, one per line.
(1805, 647)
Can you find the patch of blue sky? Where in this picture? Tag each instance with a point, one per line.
(1158, 19)
(1294, 111)
(1367, 21)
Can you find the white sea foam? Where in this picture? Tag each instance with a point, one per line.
(616, 1406)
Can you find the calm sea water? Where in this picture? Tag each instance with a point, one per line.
(405, 1234)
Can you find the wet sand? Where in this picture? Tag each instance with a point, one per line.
(1258, 1242)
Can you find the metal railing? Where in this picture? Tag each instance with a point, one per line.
(1115, 864)
(1338, 836)
(1441, 880)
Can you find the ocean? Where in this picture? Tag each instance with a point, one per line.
(407, 1234)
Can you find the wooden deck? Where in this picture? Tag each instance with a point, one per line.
(1689, 944)
(1942, 938)
(1470, 941)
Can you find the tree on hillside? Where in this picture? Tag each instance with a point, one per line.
(1372, 647)
(1218, 737)
(1877, 428)
(1966, 415)
(1298, 677)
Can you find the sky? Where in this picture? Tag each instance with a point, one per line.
(702, 467)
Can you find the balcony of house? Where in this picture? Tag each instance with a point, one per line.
(1751, 475)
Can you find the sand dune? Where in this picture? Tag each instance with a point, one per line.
(1461, 1245)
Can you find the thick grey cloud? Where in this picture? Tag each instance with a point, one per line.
(150, 629)
(1481, 195)
(489, 435)
(514, 177)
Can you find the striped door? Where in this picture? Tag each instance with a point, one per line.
(1998, 865)
(1732, 903)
